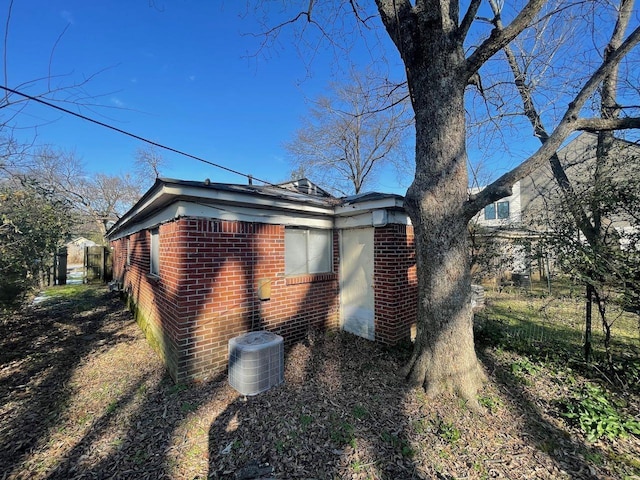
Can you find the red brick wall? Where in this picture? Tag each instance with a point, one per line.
(207, 291)
(155, 306)
(396, 283)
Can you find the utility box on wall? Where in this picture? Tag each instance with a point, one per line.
(256, 362)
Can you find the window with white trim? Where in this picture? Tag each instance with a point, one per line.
(155, 252)
(503, 210)
(128, 250)
(490, 212)
(307, 250)
(499, 210)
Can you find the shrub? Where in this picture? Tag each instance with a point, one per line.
(596, 416)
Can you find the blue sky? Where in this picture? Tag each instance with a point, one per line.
(182, 73)
(190, 74)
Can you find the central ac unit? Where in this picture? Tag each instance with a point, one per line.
(256, 362)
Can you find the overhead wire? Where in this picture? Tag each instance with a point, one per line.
(133, 135)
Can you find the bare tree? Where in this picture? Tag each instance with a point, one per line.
(98, 199)
(443, 49)
(354, 132)
(588, 205)
(608, 264)
(105, 198)
(149, 164)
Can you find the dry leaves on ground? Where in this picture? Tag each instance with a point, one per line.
(84, 396)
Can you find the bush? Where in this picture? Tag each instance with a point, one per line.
(32, 224)
(596, 416)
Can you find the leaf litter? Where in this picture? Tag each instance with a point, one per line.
(83, 396)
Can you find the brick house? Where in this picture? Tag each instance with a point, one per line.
(201, 263)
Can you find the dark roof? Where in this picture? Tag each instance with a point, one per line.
(368, 197)
(285, 191)
(293, 195)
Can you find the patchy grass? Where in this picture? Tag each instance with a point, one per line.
(77, 297)
(82, 395)
(548, 330)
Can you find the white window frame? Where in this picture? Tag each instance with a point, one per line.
(128, 250)
(308, 251)
(491, 206)
(154, 252)
(495, 208)
(498, 204)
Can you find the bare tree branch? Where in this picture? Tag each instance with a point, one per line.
(499, 38)
(595, 125)
(531, 112)
(502, 186)
(350, 135)
(468, 19)
(6, 51)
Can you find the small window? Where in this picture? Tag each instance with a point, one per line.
(128, 251)
(490, 212)
(307, 251)
(503, 210)
(155, 252)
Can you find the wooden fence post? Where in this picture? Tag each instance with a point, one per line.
(61, 267)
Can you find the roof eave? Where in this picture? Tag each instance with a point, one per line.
(165, 192)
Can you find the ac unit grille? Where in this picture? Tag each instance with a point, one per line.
(256, 362)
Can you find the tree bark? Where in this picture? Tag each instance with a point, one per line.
(444, 357)
(587, 327)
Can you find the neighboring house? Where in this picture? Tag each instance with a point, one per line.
(540, 193)
(518, 220)
(506, 212)
(75, 249)
(499, 227)
(204, 262)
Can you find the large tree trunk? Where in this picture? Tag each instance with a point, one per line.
(444, 357)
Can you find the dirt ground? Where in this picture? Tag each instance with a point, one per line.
(83, 396)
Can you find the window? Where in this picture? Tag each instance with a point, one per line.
(503, 210)
(128, 251)
(307, 251)
(496, 210)
(155, 252)
(490, 212)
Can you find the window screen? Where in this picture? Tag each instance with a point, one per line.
(490, 212)
(319, 251)
(307, 251)
(155, 252)
(295, 247)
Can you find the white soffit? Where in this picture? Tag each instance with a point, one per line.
(368, 205)
(256, 200)
(229, 213)
(247, 207)
(172, 201)
(375, 218)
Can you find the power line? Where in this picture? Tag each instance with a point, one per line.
(132, 135)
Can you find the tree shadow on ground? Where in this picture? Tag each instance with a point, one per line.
(343, 412)
(568, 452)
(142, 447)
(85, 396)
(40, 349)
(324, 421)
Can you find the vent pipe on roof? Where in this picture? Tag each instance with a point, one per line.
(250, 178)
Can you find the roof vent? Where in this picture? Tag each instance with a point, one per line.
(256, 362)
